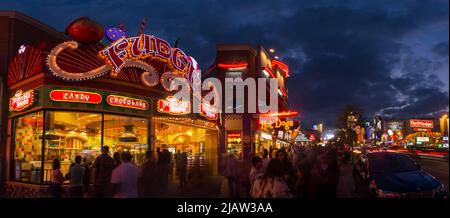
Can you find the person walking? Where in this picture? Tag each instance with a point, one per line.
(301, 187)
(102, 170)
(231, 173)
(272, 184)
(148, 177)
(164, 161)
(57, 179)
(116, 157)
(287, 168)
(124, 178)
(257, 169)
(87, 175)
(76, 174)
(323, 179)
(181, 164)
(265, 160)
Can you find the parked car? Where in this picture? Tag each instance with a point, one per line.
(395, 175)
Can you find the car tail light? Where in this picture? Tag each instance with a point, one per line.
(388, 194)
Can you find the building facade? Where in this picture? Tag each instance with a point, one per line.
(62, 98)
(245, 134)
(17, 29)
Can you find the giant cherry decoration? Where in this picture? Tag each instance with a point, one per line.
(85, 31)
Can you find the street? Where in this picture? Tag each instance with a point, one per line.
(437, 168)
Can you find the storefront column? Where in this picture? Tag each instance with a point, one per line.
(221, 148)
(247, 137)
(211, 144)
(152, 137)
(3, 129)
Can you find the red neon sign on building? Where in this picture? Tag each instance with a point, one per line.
(173, 106)
(427, 124)
(22, 100)
(282, 66)
(75, 96)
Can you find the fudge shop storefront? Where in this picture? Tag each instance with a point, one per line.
(74, 98)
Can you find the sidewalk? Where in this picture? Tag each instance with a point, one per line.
(346, 185)
(206, 187)
(217, 186)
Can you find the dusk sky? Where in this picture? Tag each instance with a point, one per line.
(388, 57)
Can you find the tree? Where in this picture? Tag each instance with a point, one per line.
(349, 117)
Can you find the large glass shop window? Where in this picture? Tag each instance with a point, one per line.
(124, 133)
(68, 134)
(28, 148)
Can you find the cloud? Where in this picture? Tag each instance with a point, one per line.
(339, 52)
(441, 49)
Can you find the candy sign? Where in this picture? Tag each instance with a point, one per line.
(75, 96)
(22, 100)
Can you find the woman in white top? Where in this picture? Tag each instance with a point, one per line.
(271, 184)
(124, 178)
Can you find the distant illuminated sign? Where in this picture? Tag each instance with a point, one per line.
(281, 114)
(445, 138)
(312, 137)
(234, 137)
(278, 124)
(428, 124)
(280, 134)
(422, 139)
(266, 136)
(301, 138)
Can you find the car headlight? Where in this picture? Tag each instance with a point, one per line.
(441, 192)
(388, 194)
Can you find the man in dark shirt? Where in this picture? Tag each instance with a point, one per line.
(164, 161)
(76, 174)
(102, 170)
(148, 177)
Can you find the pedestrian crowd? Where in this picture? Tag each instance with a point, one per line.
(300, 172)
(118, 176)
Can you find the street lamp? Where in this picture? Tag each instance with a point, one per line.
(351, 121)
